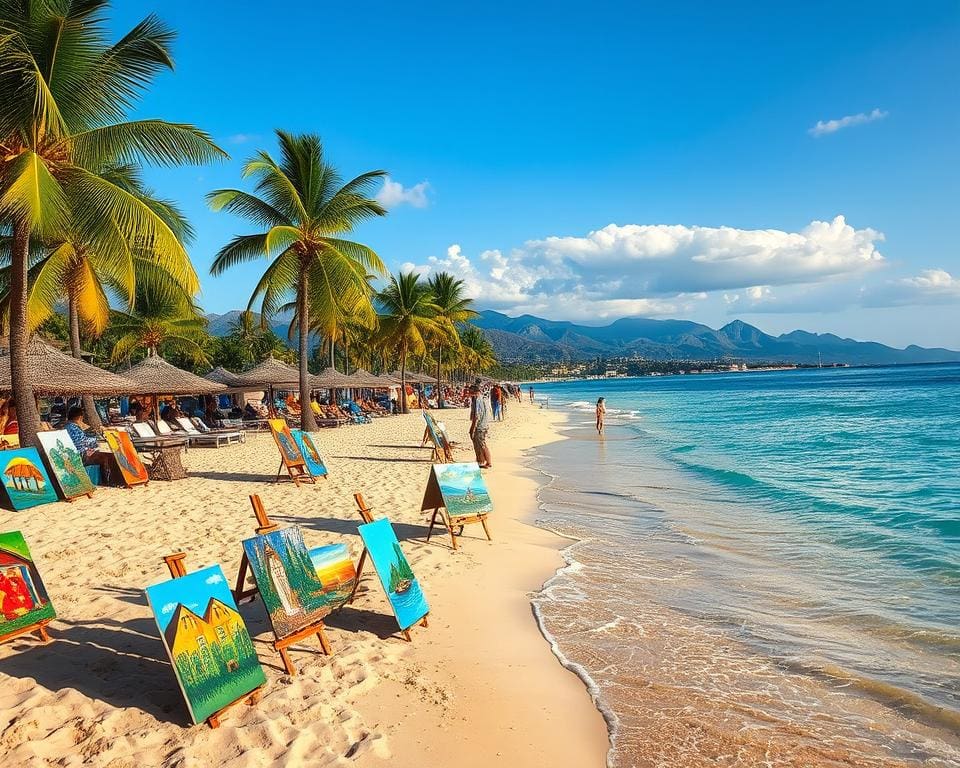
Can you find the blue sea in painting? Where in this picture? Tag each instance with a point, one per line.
(778, 551)
(402, 587)
(307, 444)
(25, 478)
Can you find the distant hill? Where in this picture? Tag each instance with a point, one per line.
(533, 339)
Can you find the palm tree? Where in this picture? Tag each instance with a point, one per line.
(303, 204)
(408, 320)
(453, 308)
(64, 92)
(477, 353)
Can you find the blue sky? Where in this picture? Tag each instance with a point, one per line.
(591, 161)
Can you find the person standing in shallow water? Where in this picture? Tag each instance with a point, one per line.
(601, 412)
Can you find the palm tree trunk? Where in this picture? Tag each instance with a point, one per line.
(333, 347)
(90, 414)
(307, 422)
(403, 379)
(20, 385)
(439, 386)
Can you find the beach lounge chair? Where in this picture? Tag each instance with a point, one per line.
(216, 439)
(355, 412)
(235, 431)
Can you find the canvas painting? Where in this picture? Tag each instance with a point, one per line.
(23, 598)
(65, 463)
(291, 590)
(336, 571)
(208, 644)
(307, 444)
(464, 490)
(127, 457)
(25, 480)
(402, 588)
(432, 431)
(285, 442)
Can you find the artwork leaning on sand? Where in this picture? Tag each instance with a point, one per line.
(131, 468)
(66, 464)
(209, 647)
(25, 480)
(307, 443)
(463, 489)
(285, 442)
(23, 598)
(403, 590)
(292, 592)
(336, 571)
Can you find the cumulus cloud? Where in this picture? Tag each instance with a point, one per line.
(824, 127)
(657, 269)
(931, 286)
(242, 138)
(213, 578)
(393, 193)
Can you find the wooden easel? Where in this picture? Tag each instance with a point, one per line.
(177, 569)
(39, 629)
(297, 470)
(281, 644)
(433, 498)
(366, 514)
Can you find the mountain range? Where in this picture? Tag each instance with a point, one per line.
(532, 339)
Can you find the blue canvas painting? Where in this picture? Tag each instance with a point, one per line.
(464, 489)
(311, 454)
(402, 588)
(25, 479)
(208, 643)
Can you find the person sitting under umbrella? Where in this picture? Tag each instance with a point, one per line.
(87, 445)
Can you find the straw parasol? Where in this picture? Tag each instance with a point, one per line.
(155, 376)
(53, 372)
(331, 378)
(222, 376)
(269, 374)
(413, 378)
(362, 378)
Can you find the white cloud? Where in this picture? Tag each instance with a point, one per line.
(824, 127)
(931, 286)
(168, 608)
(393, 193)
(213, 578)
(242, 138)
(657, 269)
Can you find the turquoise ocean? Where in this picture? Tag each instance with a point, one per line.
(765, 567)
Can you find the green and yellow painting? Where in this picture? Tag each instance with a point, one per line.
(23, 598)
(66, 464)
(25, 479)
(208, 643)
(464, 489)
(287, 579)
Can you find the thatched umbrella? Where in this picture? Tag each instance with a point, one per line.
(222, 376)
(155, 376)
(331, 378)
(55, 373)
(412, 378)
(365, 379)
(269, 374)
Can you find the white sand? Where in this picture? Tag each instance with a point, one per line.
(479, 686)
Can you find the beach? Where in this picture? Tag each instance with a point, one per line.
(478, 686)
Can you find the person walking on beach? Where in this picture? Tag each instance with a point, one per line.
(479, 426)
(495, 401)
(530, 391)
(601, 412)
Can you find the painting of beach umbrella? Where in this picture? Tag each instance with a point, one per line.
(403, 590)
(25, 480)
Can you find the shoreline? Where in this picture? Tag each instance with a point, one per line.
(480, 683)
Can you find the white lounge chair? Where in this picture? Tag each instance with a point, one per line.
(196, 428)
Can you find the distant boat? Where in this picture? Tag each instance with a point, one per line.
(469, 495)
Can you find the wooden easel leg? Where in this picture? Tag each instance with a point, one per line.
(406, 636)
(432, 521)
(453, 536)
(483, 522)
(324, 643)
(356, 583)
(241, 578)
(423, 622)
(287, 664)
(42, 634)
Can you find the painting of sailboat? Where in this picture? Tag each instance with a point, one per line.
(23, 598)
(208, 644)
(24, 479)
(399, 582)
(292, 592)
(464, 490)
(307, 443)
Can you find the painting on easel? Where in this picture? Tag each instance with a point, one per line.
(65, 463)
(307, 443)
(403, 590)
(336, 571)
(208, 643)
(23, 598)
(25, 480)
(292, 593)
(463, 489)
(131, 468)
(285, 442)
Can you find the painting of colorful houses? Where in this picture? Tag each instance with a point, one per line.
(403, 590)
(132, 469)
(336, 571)
(23, 598)
(208, 644)
(66, 464)
(292, 592)
(464, 489)
(25, 480)
(307, 444)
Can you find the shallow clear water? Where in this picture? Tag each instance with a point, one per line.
(769, 564)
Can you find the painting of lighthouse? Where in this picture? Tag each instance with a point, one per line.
(292, 591)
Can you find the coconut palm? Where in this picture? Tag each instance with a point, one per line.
(64, 93)
(303, 204)
(476, 352)
(453, 308)
(408, 321)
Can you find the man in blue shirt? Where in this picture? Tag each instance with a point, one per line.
(87, 445)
